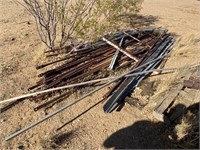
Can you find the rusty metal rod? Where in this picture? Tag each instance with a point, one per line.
(124, 64)
(50, 63)
(131, 36)
(85, 74)
(72, 72)
(120, 49)
(47, 64)
(58, 98)
(72, 62)
(54, 83)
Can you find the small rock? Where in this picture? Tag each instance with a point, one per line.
(2, 120)
(20, 147)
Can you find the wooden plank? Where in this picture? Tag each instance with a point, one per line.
(163, 105)
(174, 91)
(169, 98)
(183, 103)
(158, 116)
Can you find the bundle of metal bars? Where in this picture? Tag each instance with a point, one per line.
(124, 48)
(125, 86)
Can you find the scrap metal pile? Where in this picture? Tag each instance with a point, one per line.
(140, 50)
(123, 49)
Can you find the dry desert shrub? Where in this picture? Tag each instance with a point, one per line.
(60, 22)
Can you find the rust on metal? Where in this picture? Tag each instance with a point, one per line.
(120, 49)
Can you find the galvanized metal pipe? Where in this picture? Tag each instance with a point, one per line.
(115, 56)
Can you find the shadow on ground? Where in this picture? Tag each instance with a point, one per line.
(61, 140)
(140, 21)
(143, 21)
(149, 135)
(137, 21)
(142, 134)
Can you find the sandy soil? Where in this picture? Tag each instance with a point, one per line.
(21, 50)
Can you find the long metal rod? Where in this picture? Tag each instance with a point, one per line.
(76, 101)
(134, 38)
(115, 56)
(120, 49)
(58, 98)
(51, 90)
(139, 73)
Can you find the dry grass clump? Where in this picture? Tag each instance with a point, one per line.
(188, 130)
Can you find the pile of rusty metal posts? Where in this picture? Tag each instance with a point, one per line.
(130, 48)
(140, 51)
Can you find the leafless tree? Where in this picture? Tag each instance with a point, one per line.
(51, 15)
(62, 20)
(45, 14)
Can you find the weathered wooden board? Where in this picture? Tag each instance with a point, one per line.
(169, 98)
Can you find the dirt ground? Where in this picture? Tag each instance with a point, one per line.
(21, 50)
